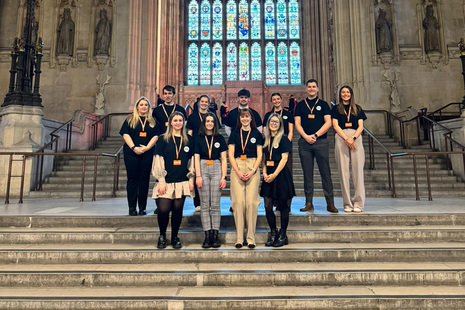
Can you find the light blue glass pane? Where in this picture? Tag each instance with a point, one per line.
(256, 62)
(294, 32)
(255, 20)
(205, 20)
(281, 17)
(243, 25)
(231, 19)
(231, 73)
(270, 63)
(193, 65)
(269, 20)
(295, 63)
(217, 65)
(217, 25)
(243, 62)
(193, 20)
(283, 68)
(205, 64)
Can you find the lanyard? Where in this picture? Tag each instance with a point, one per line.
(270, 148)
(143, 123)
(164, 110)
(348, 114)
(280, 114)
(209, 146)
(311, 110)
(246, 140)
(176, 147)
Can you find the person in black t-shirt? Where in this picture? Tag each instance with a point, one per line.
(348, 119)
(210, 171)
(245, 156)
(163, 111)
(277, 186)
(140, 133)
(233, 116)
(173, 168)
(312, 121)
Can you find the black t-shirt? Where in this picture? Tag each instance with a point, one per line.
(342, 118)
(137, 137)
(312, 125)
(285, 146)
(160, 116)
(255, 139)
(175, 173)
(231, 119)
(219, 146)
(286, 116)
(195, 120)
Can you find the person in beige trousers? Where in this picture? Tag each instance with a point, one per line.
(348, 120)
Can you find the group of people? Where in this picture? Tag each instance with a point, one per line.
(183, 154)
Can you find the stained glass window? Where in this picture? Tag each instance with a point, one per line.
(244, 40)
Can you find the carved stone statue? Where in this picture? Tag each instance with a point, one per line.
(431, 26)
(394, 96)
(102, 34)
(100, 97)
(383, 33)
(65, 42)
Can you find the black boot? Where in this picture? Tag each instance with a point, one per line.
(272, 236)
(176, 243)
(281, 240)
(132, 211)
(214, 241)
(161, 242)
(207, 242)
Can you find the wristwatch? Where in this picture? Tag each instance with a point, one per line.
(316, 136)
(134, 146)
(354, 137)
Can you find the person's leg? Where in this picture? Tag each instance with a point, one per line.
(321, 151)
(176, 219)
(342, 154)
(238, 203)
(252, 201)
(215, 197)
(282, 237)
(358, 163)
(204, 193)
(144, 180)
(307, 162)
(132, 171)
(271, 219)
(164, 208)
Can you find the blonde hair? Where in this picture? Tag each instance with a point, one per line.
(169, 131)
(133, 119)
(279, 134)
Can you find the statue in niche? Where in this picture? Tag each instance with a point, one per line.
(102, 34)
(65, 42)
(431, 26)
(383, 33)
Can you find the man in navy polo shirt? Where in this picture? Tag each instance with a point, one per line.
(312, 121)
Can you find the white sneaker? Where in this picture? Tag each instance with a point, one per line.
(348, 209)
(197, 209)
(357, 209)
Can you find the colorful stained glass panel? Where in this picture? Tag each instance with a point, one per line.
(294, 32)
(294, 59)
(205, 64)
(255, 20)
(281, 19)
(269, 20)
(256, 62)
(270, 63)
(231, 15)
(231, 73)
(243, 24)
(205, 20)
(283, 68)
(193, 20)
(217, 64)
(243, 62)
(193, 65)
(217, 23)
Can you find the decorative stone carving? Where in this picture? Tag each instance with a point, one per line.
(431, 26)
(100, 97)
(102, 34)
(392, 77)
(383, 33)
(65, 39)
(385, 48)
(63, 61)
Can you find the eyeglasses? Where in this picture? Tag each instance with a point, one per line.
(274, 122)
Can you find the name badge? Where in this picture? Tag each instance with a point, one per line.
(311, 116)
(166, 124)
(177, 162)
(142, 134)
(209, 162)
(270, 163)
(243, 157)
(348, 125)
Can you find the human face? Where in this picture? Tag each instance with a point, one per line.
(345, 95)
(244, 101)
(274, 124)
(143, 107)
(312, 90)
(209, 123)
(245, 119)
(276, 101)
(168, 96)
(177, 122)
(203, 104)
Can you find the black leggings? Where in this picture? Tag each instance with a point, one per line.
(282, 206)
(166, 205)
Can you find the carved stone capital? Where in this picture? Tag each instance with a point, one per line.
(63, 61)
(101, 61)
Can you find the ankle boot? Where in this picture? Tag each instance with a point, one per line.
(207, 242)
(281, 240)
(215, 242)
(272, 236)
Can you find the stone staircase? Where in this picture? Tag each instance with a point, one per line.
(367, 261)
(66, 181)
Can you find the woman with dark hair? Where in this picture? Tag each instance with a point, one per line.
(348, 120)
(210, 176)
(140, 134)
(245, 156)
(277, 186)
(173, 168)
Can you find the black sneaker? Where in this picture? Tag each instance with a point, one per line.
(161, 244)
(176, 243)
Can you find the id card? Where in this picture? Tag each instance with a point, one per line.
(142, 134)
(270, 163)
(209, 162)
(243, 157)
(311, 116)
(177, 162)
(348, 125)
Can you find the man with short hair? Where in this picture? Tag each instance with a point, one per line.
(164, 110)
(312, 121)
(243, 103)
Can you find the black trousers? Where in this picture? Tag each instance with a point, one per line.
(138, 168)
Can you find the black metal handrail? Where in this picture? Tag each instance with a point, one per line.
(104, 124)
(440, 110)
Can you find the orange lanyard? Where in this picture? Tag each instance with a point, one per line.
(270, 149)
(176, 147)
(280, 114)
(246, 140)
(164, 110)
(143, 123)
(348, 114)
(209, 146)
(311, 110)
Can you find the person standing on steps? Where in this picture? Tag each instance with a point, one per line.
(277, 185)
(312, 121)
(348, 119)
(210, 176)
(163, 111)
(245, 156)
(173, 167)
(140, 133)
